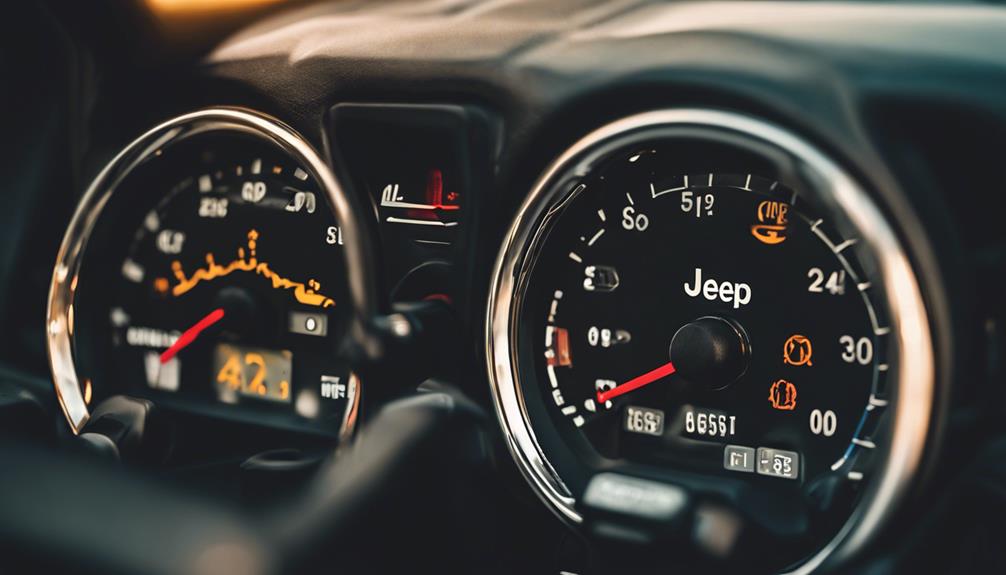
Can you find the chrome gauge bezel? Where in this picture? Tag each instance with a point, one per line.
(59, 312)
(910, 352)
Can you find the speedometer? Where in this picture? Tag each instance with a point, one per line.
(695, 302)
(707, 310)
(207, 270)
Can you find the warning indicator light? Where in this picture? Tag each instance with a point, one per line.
(771, 226)
(797, 351)
(782, 395)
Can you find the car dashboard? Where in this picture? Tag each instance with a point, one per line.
(577, 286)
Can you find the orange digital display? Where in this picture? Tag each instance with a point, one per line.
(251, 372)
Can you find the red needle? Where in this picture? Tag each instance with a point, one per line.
(191, 334)
(636, 382)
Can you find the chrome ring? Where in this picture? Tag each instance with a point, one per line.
(59, 312)
(911, 353)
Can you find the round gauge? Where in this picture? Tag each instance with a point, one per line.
(691, 299)
(209, 273)
(757, 332)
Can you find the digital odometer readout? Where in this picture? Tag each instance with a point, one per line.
(252, 372)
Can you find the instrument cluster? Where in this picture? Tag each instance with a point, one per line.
(692, 309)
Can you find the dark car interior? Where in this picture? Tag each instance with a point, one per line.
(581, 287)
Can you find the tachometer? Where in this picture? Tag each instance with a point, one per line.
(699, 300)
(214, 278)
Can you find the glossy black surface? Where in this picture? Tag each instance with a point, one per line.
(713, 351)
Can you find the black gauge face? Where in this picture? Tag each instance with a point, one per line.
(679, 314)
(697, 306)
(705, 323)
(216, 278)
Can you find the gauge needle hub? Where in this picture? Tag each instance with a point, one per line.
(636, 382)
(190, 335)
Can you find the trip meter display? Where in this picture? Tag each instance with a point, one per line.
(684, 304)
(216, 280)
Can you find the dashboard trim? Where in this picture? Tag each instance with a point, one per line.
(913, 364)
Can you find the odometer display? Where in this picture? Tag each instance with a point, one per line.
(252, 372)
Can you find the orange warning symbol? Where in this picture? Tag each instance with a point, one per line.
(782, 395)
(771, 226)
(797, 350)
